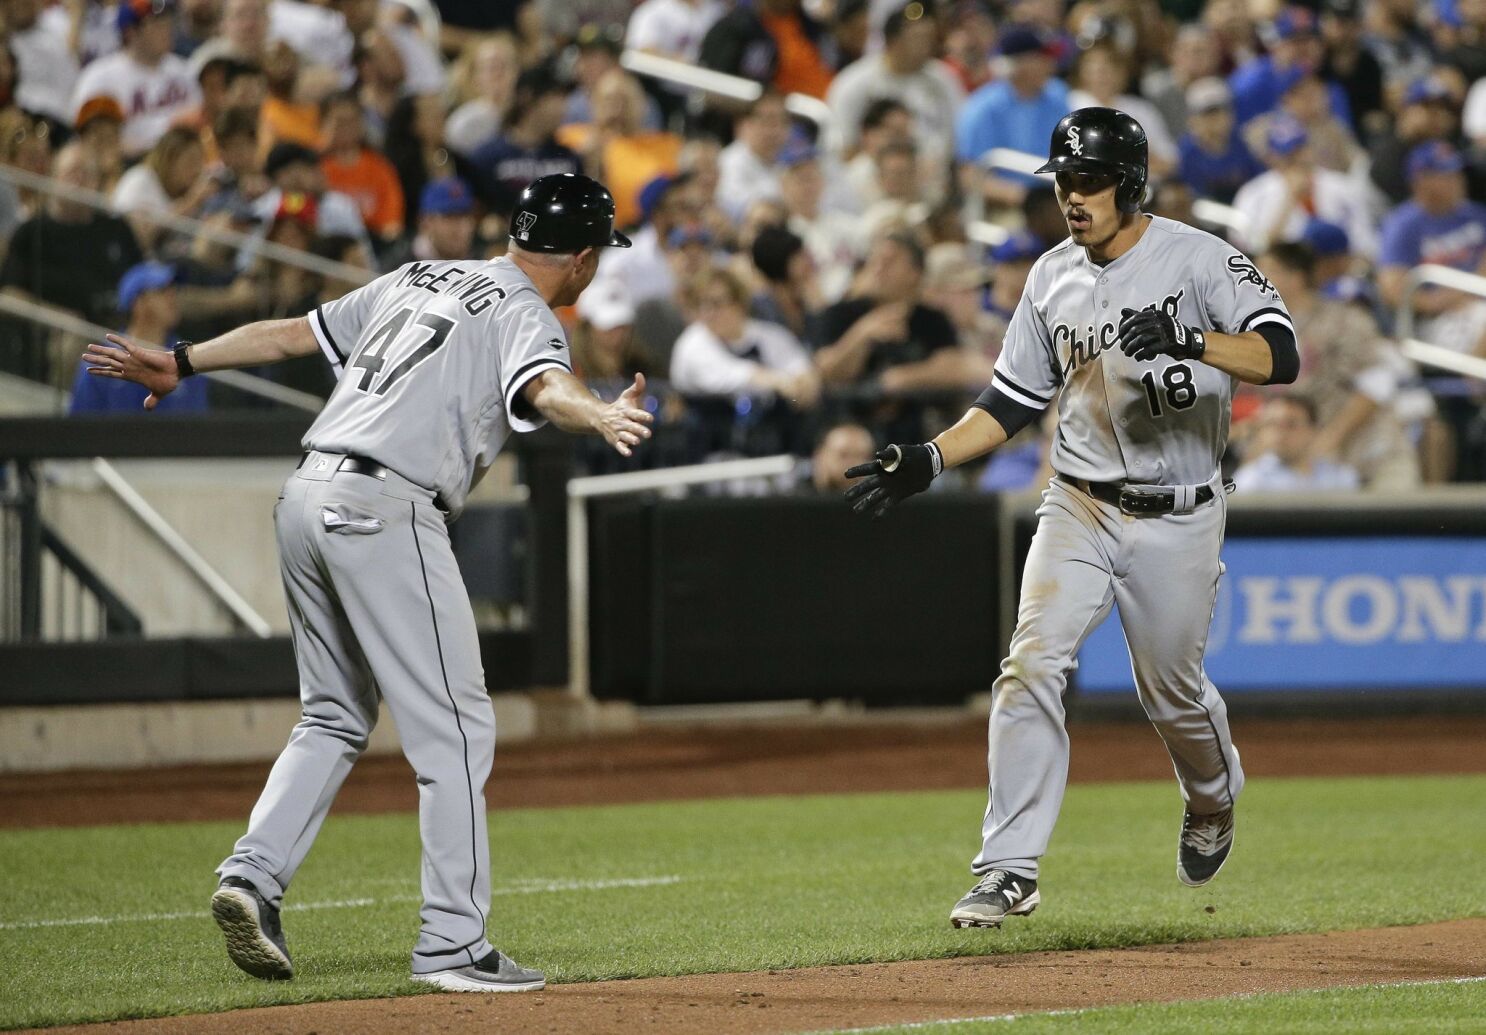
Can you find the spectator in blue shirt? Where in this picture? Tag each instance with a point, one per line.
(1215, 161)
(1438, 225)
(147, 295)
(1332, 249)
(1293, 41)
(1018, 112)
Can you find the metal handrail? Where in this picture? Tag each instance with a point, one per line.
(1422, 352)
(61, 320)
(191, 227)
(581, 490)
(173, 541)
(719, 84)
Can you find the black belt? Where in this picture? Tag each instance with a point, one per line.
(355, 465)
(1136, 499)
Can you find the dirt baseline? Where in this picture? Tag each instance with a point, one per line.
(659, 764)
(883, 993)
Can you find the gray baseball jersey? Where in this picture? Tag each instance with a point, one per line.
(1161, 422)
(446, 347)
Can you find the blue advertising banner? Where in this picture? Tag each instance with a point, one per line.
(1329, 613)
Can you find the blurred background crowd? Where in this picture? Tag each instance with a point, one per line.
(830, 235)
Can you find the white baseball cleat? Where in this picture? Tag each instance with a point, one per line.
(494, 973)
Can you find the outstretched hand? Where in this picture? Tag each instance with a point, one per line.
(153, 368)
(624, 422)
(896, 473)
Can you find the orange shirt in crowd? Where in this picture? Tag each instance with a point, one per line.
(373, 184)
(280, 120)
(629, 164)
(801, 69)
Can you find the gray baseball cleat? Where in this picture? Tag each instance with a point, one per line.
(494, 973)
(1203, 847)
(999, 894)
(255, 940)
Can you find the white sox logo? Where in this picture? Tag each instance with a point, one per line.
(524, 222)
(1074, 144)
(1248, 273)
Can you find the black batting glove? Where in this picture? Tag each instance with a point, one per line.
(1148, 333)
(895, 474)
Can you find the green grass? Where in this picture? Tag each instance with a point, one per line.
(764, 883)
(1440, 1009)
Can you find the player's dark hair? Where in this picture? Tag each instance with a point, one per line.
(878, 111)
(774, 247)
(1293, 256)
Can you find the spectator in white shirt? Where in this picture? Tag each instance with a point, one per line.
(726, 353)
(672, 28)
(45, 67)
(834, 238)
(151, 84)
(906, 71)
(1277, 205)
(748, 168)
(170, 180)
(1284, 461)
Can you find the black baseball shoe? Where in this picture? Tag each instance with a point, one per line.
(494, 973)
(255, 941)
(1203, 847)
(996, 896)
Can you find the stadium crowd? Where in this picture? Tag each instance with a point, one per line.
(821, 269)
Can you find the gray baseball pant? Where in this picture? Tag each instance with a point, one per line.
(1087, 556)
(378, 610)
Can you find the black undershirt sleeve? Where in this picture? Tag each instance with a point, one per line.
(1284, 354)
(1010, 414)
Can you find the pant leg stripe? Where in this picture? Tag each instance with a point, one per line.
(443, 671)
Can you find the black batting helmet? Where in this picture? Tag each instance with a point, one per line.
(1102, 140)
(565, 212)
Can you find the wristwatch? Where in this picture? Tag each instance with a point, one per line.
(183, 365)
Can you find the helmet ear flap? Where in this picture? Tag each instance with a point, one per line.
(1131, 191)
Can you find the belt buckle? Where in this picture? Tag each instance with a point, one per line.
(1137, 502)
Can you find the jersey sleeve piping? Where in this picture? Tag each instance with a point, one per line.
(1016, 392)
(327, 342)
(1266, 315)
(519, 380)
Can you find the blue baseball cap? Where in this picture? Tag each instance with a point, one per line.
(1019, 247)
(1022, 39)
(1434, 157)
(1286, 135)
(1293, 23)
(684, 235)
(449, 196)
(147, 276)
(652, 193)
(797, 154)
(132, 12)
(1428, 90)
(1325, 239)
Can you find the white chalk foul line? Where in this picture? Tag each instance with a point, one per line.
(526, 886)
(1001, 1018)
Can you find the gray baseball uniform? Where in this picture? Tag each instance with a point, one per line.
(1161, 422)
(432, 358)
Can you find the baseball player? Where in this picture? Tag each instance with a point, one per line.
(1139, 327)
(438, 362)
